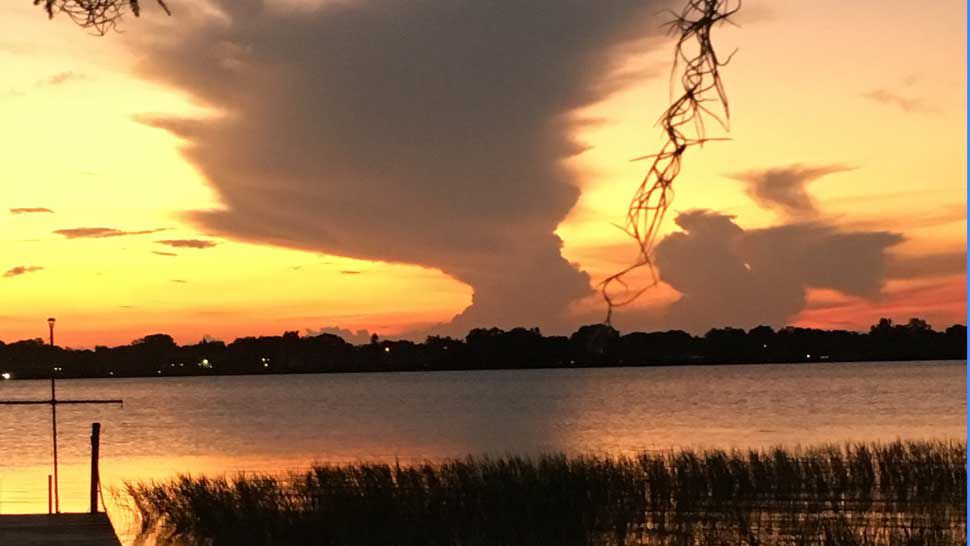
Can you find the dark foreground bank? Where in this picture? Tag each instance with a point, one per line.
(904, 493)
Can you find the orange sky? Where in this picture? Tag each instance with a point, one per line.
(876, 87)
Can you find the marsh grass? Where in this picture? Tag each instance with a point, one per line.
(903, 493)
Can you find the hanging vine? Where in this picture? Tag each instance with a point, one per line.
(99, 15)
(702, 99)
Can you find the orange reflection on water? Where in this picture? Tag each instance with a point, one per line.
(278, 424)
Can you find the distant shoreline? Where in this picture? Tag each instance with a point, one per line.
(535, 369)
(592, 346)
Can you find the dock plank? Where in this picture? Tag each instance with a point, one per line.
(57, 530)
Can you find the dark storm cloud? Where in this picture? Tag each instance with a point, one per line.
(31, 210)
(784, 188)
(730, 276)
(429, 132)
(101, 232)
(21, 270)
(928, 265)
(188, 243)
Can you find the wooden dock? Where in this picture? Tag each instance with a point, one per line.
(57, 530)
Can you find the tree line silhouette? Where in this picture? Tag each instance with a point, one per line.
(485, 348)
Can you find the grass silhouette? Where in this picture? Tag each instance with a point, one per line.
(902, 493)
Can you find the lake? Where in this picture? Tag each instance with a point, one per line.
(285, 422)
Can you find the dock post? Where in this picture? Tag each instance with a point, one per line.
(95, 473)
(57, 498)
(50, 495)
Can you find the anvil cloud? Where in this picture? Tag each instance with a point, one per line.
(428, 132)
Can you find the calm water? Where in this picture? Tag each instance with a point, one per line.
(227, 424)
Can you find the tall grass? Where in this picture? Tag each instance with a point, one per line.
(903, 493)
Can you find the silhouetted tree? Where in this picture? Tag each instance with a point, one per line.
(731, 343)
(882, 328)
(485, 348)
(918, 325)
(594, 343)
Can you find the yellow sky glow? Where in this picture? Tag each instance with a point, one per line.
(71, 142)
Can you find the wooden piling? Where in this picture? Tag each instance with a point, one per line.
(57, 499)
(95, 473)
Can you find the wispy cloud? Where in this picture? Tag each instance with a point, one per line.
(160, 253)
(30, 210)
(22, 270)
(348, 272)
(785, 188)
(912, 105)
(180, 281)
(101, 232)
(54, 80)
(188, 243)
(62, 77)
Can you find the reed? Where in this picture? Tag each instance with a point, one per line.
(901, 493)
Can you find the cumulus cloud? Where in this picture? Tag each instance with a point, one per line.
(430, 132)
(31, 210)
(21, 270)
(731, 276)
(357, 338)
(784, 188)
(101, 232)
(188, 243)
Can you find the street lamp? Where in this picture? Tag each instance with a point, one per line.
(57, 498)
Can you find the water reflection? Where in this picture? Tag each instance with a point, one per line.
(271, 423)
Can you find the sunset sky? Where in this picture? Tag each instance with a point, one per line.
(247, 167)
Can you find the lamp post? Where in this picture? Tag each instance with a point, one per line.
(57, 504)
(52, 480)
